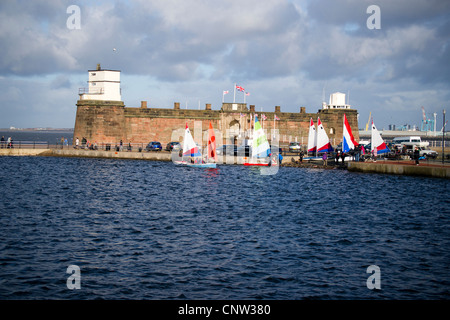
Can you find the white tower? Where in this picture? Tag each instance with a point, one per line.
(337, 101)
(103, 85)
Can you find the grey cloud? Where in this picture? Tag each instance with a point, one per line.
(284, 50)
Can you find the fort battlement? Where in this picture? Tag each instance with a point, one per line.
(111, 121)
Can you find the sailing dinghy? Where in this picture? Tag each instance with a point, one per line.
(348, 141)
(378, 146)
(318, 144)
(260, 148)
(196, 156)
(190, 149)
(312, 143)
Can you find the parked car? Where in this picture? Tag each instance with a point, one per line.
(154, 146)
(424, 152)
(428, 153)
(225, 149)
(244, 151)
(173, 146)
(294, 147)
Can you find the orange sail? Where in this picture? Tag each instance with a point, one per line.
(211, 143)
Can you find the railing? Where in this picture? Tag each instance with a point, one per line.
(437, 143)
(24, 144)
(90, 91)
(107, 146)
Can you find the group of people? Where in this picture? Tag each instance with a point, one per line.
(85, 144)
(7, 143)
(354, 153)
(64, 142)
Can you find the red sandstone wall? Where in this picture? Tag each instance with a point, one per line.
(101, 123)
(110, 122)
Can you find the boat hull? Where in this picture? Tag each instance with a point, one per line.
(201, 165)
(256, 164)
(313, 158)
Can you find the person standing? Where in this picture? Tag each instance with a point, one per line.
(416, 155)
(324, 158)
(357, 152)
(3, 141)
(77, 142)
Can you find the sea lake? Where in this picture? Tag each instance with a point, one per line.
(52, 137)
(153, 230)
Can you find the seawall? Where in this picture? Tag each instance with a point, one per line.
(158, 156)
(428, 170)
(23, 152)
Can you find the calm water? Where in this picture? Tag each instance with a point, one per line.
(52, 137)
(150, 230)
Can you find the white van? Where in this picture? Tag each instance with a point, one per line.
(409, 142)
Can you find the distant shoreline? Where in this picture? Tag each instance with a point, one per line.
(37, 130)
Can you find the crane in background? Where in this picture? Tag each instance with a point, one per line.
(427, 124)
(368, 121)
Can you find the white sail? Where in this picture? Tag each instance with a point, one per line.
(189, 146)
(323, 143)
(260, 145)
(312, 137)
(377, 142)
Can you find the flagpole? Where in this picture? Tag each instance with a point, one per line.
(234, 98)
(262, 120)
(317, 147)
(274, 125)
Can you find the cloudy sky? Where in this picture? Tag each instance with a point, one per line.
(283, 52)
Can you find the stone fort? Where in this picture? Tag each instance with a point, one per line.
(102, 117)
